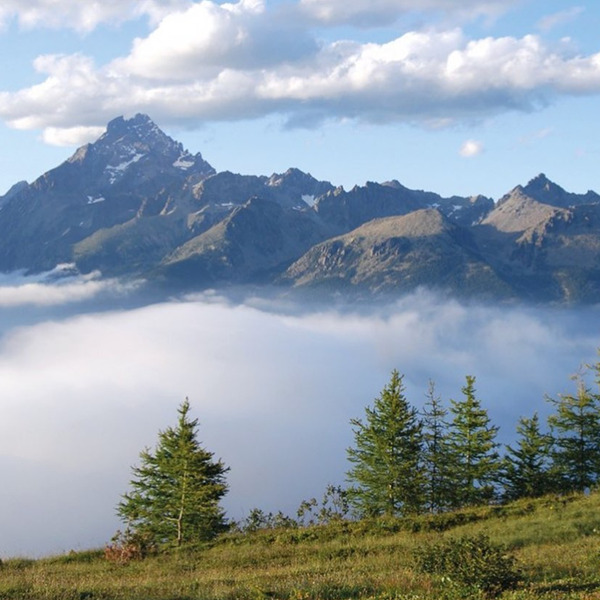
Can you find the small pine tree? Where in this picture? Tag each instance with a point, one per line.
(526, 471)
(476, 464)
(437, 457)
(575, 428)
(386, 459)
(176, 489)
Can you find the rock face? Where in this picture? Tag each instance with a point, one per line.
(252, 244)
(136, 203)
(347, 210)
(126, 202)
(133, 171)
(399, 254)
(545, 241)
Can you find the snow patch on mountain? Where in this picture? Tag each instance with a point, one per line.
(116, 171)
(184, 162)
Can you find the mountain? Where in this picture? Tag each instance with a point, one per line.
(134, 170)
(126, 202)
(540, 188)
(347, 210)
(254, 242)
(135, 203)
(399, 254)
(546, 241)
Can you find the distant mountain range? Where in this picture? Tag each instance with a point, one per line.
(135, 203)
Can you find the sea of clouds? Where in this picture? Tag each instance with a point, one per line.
(88, 377)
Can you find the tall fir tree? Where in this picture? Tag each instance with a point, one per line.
(476, 464)
(437, 457)
(177, 488)
(527, 471)
(575, 426)
(386, 471)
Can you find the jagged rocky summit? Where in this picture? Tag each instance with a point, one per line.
(135, 203)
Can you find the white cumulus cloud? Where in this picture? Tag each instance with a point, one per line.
(82, 16)
(208, 38)
(372, 12)
(244, 60)
(71, 136)
(471, 148)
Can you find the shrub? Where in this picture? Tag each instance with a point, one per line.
(258, 520)
(127, 546)
(334, 508)
(470, 565)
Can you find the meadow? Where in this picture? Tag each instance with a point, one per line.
(554, 541)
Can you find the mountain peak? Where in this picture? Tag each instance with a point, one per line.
(543, 190)
(539, 179)
(140, 128)
(139, 120)
(542, 185)
(138, 145)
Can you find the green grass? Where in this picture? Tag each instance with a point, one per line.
(556, 543)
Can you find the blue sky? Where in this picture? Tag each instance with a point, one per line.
(453, 96)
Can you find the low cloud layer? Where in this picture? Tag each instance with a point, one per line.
(16, 291)
(206, 61)
(274, 392)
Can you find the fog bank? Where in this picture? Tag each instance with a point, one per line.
(274, 391)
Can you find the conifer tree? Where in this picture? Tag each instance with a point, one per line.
(527, 467)
(437, 458)
(576, 431)
(386, 459)
(177, 488)
(475, 462)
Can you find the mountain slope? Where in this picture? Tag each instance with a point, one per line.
(257, 240)
(540, 188)
(127, 201)
(133, 170)
(348, 210)
(135, 203)
(397, 254)
(546, 241)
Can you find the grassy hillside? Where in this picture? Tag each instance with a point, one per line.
(555, 541)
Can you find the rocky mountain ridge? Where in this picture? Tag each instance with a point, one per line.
(135, 203)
